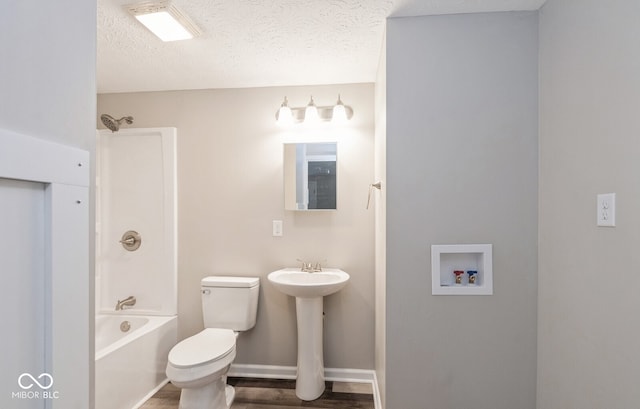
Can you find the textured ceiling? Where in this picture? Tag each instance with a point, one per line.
(257, 43)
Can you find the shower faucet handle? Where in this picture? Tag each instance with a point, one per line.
(128, 241)
(131, 240)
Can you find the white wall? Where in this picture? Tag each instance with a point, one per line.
(230, 177)
(588, 292)
(461, 168)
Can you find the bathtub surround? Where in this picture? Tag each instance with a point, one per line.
(230, 184)
(136, 192)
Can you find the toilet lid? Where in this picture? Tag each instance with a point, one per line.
(209, 345)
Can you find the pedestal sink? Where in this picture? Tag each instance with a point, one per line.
(309, 288)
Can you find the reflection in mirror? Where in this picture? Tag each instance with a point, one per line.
(310, 176)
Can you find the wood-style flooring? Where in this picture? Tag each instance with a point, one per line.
(277, 394)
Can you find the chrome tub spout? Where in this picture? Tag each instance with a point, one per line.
(130, 301)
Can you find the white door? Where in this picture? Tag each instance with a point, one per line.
(22, 209)
(45, 347)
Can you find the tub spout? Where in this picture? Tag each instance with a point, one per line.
(130, 301)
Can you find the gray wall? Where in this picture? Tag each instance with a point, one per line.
(461, 168)
(48, 69)
(47, 91)
(589, 143)
(230, 177)
(379, 203)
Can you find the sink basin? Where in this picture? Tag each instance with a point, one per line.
(296, 283)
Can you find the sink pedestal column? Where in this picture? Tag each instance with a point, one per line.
(310, 379)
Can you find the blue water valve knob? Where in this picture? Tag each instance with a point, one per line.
(472, 276)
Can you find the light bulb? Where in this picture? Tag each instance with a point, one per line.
(311, 113)
(285, 116)
(339, 112)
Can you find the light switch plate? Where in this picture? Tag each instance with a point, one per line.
(606, 215)
(277, 228)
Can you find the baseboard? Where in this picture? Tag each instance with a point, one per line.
(150, 394)
(262, 371)
(289, 372)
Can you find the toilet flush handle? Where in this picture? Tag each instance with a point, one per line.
(206, 291)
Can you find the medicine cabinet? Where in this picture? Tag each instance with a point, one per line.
(310, 180)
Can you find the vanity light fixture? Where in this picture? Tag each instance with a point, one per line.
(311, 114)
(164, 20)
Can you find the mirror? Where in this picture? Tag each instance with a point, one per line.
(310, 176)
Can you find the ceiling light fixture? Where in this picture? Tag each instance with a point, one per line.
(311, 114)
(164, 20)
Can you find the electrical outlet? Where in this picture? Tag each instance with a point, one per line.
(606, 210)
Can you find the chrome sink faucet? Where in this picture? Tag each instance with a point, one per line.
(309, 267)
(130, 301)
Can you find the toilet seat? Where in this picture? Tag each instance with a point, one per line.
(208, 346)
(200, 358)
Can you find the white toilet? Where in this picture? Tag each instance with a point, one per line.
(199, 364)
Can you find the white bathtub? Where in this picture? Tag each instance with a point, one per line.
(130, 366)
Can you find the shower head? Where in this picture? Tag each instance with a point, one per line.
(114, 124)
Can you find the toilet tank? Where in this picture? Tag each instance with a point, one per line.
(230, 302)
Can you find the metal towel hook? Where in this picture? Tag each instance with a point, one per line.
(378, 186)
